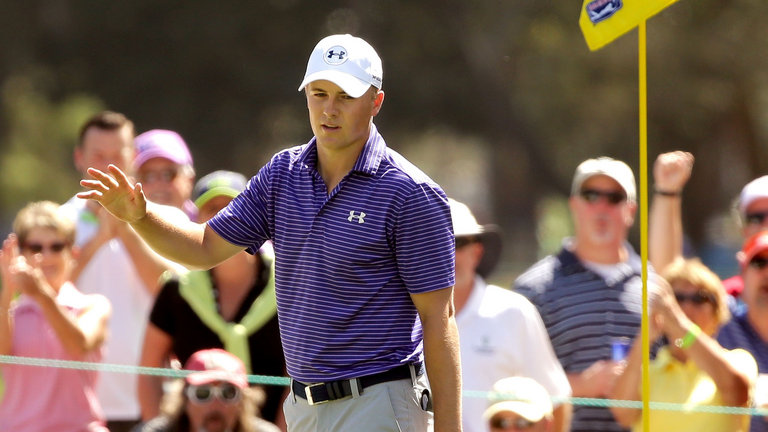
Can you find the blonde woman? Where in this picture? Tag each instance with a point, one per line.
(43, 315)
(693, 369)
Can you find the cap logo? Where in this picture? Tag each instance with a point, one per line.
(335, 55)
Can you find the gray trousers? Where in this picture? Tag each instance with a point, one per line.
(393, 406)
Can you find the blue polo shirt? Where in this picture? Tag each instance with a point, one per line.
(346, 262)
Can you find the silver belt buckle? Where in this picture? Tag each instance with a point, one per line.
(308, 394)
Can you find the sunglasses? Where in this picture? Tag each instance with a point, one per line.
(164, 176)
(227, 393)
(698, 298)
(37, 248)
(505, 423)
(592, 196)
(463, 241)
(759, 262)
(756, 218)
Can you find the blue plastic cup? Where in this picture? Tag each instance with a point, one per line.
(620, 348)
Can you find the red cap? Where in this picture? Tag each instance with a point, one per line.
(753, 246)
(216, 365)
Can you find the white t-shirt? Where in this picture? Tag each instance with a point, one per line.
(112, 274)
(502, 335)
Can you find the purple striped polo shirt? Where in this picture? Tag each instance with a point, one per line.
(347, 261)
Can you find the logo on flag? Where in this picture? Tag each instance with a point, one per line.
(602, 21)
(599, 10)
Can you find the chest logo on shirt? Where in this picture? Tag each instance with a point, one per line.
(356, 215)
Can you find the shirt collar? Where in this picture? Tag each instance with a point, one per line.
(367, 163)
(476, 296)
(308, 155)
(568, 258)
(664, 357)
(373, 151)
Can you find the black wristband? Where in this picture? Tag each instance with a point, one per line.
(667, 193)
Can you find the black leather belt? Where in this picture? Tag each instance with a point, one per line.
(332, 390)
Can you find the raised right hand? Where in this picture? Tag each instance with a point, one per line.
(672, 170)
(115, 192)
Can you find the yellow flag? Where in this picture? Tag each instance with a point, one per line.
(602, 21)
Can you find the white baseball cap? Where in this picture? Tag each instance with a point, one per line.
(347, 61)
(606, 166)
(520, 395)
(754, 190)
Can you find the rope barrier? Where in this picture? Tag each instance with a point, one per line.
(284, 381)
(129, 369)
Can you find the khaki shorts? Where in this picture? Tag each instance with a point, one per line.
(393, 406)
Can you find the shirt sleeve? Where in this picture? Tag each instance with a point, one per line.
(424, 240)
(245, 222)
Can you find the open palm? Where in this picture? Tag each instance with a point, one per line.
(115, 192)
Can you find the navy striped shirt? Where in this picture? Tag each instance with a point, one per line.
(346, 262)
(582, 312)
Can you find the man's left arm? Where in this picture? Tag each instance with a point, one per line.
(441, 354)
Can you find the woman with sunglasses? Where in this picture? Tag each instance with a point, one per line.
(214, 397)
(43, 315)
(693, 369)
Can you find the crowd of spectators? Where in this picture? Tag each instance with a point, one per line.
(79, 283)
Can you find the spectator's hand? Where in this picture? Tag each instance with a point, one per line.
(672, 170)
(601, 377)
(115, 192)
(27, 275)
(665, 311)
(7, 255)
(23, 275)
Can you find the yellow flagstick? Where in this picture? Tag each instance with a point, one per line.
(643, 90)
(601, 22)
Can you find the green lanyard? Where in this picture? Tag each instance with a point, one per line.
(196, 288)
